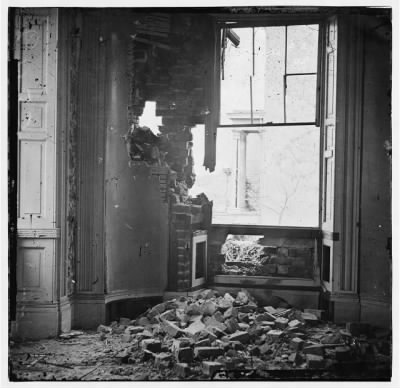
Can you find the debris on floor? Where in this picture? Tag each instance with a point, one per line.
(212, 336)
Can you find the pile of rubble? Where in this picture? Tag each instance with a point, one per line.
(226, 337)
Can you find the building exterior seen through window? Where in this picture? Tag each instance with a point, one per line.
(268, 141)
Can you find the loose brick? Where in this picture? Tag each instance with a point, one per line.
(219, 316)
(236, 345)
(211, 322)
(168, 315)
(134, 329)
(255, 330)
(207, 352)
(151, 345)
(182, 369)
(314, 349)
(242, 298)
(157, 310)
(296, 343)
(126, 337)
(229, 363)
(224, 304)
(231, 312)
(104, 329)
(241, 336)
(295, 358)
(263, 318)
(162, 360)
(294, 323)
(184, 354)
(248, 308)
(208, 308)
(209, 368)
(194, 328)
(265, 348)
(274, 334)
(193, 309)
(315, 361)
(180, 343)
(244, 317)
(231, 325)
(148, 355)
(203, 342)
(170, 328)
(334, 338)
(309, 318)
(316, 312)
(281, 323)
(143, 321)
(270, 309)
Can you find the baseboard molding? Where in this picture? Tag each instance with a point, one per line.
(66, 314)
(176, 294)
(36, 320)
(117, 295)
(89, 310)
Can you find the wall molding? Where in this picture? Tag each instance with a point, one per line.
(39, 233)
(117, 295)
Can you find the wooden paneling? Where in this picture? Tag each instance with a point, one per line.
(36, 34)
(35, 268)
(36, 49)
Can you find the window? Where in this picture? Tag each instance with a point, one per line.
(268, 137)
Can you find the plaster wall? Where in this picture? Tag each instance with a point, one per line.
(375, 230)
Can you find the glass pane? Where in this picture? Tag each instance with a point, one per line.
(235, 84)
(263, 176)
(300, 98)
(263, 88)
(256, 78)
(275, 71)
(302, 49)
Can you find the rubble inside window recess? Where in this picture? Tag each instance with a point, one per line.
(211, 336)
(245, 255)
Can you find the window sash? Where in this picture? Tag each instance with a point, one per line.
(283, 22)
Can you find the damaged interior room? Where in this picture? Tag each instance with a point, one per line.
(200, 193)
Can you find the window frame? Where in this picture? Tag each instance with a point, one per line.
(212, 124)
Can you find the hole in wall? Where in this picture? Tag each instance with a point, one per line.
(149, 118)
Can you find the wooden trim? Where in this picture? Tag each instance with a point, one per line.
(116, 295)
(332, 236)
(39, 233)
(270, 231)
(263, 20)
(266, 282)
(245, 125)
(213, 93)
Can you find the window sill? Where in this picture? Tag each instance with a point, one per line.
(272, 231)
(267, 282)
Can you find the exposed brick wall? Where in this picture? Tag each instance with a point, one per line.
(169, 64)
